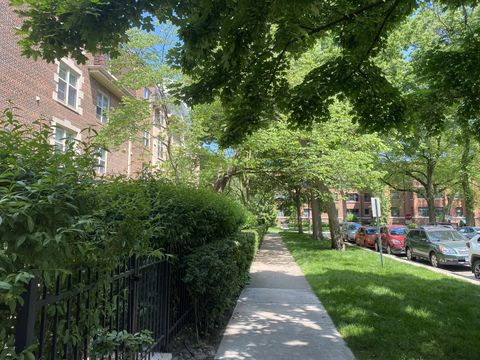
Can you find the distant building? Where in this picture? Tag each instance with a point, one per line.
(405, 207)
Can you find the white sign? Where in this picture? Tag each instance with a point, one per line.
(376, 209)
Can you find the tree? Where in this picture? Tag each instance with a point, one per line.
(431, 59)
(241, 52)
(452, 69)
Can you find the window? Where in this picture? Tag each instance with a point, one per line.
(394, 195)
(439, 211)
(101, 161)
(395, 212)
(306, 213)
(159, 118)
(62, 138)
(367, 197)
(459, 211)
(353, 211)
(352, 197)
(367, 211)
(67, 90)
(160, 149)
(146, 93)
(423, 211)
(103, 105)
(146, 138)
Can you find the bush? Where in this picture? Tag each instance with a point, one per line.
(57, 217)
(185, 218)
(215, 274)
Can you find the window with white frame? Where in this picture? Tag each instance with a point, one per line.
(146, 139)
(160, 149)
(101, 161)
(103, 105)
(67, 90)
(146, 93)
(159, 118)
(62, 138)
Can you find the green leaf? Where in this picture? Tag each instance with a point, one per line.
(5, 286)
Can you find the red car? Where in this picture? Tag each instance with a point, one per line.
(366, 236)
(393, 238)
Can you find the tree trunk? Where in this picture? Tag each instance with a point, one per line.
(316, 218)
(448, 207)
(222, 180)
(336, 236)
(430, 193)
(468, 195)
(344, 206)
(298, 204)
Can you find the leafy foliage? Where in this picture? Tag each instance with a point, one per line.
(57, 218)
(241, 52)
(216, 272)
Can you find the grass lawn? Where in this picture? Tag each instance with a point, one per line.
(400, 312)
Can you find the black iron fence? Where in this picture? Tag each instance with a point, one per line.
(72, 316)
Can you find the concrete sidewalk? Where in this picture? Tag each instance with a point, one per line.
(278, 316)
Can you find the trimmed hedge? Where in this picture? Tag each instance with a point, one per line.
(57, 217)
(216, 272)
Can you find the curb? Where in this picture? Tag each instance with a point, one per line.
(417, 264)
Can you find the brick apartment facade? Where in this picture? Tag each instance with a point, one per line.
(406, 207)
(71, 97)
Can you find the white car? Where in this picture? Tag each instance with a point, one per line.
(474, 252)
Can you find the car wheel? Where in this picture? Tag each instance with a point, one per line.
(389, 250)
(409, 254)
(476, 268)
(434, 260)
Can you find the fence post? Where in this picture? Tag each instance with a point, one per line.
(25, 323)
(133, 295)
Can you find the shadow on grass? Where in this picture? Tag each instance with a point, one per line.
(398, 313)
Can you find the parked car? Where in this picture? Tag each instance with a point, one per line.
(393, 238)
(469, 231)
(349, 229)
(438, 244)
(366, 236)
(474, 254)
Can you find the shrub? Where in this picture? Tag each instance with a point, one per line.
(185, 218)
(216, 272)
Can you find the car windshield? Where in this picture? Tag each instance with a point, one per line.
(353, 227)
(371, 231)
(398, 231)
(438, 235)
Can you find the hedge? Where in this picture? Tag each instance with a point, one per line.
(216, 272)
(56, 217)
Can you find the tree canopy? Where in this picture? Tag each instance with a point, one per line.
(241, 51)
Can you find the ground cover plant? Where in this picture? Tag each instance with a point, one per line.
(400, 312)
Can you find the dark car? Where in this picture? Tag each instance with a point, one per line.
(393, 238)
(438, 244)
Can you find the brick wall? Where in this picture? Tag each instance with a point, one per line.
(31, 86)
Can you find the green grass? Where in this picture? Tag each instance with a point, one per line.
(399, 312)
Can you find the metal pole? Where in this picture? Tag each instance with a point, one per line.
(378, 229)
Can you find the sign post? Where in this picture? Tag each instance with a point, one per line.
(376, 213)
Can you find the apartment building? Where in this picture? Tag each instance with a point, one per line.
(72, 97)
(405, 207)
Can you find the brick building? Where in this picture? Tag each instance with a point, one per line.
(405, 207)
(72, 97)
